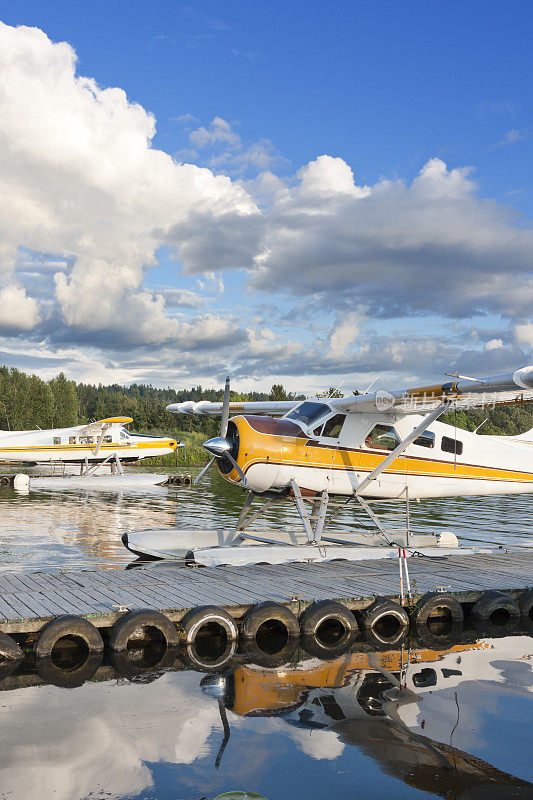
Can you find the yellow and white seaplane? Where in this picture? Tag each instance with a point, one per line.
(379, 446)
(105, 442)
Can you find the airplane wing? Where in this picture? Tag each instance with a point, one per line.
(102, 424)
(271, 407)
(509, 388)
(506, 389)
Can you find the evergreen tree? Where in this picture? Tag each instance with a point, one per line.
(278, 392)
(65, 409)
(39, 405)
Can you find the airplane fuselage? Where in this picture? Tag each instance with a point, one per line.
(443, 462)
(74, 445)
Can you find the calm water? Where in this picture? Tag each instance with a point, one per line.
(310, 729)
(77, 528)
(307, 729)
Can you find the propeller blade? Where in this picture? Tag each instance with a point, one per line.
(238, 470)
(202, 473)
(225, 410)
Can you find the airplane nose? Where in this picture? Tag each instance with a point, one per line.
(173, 443)
(218, 446)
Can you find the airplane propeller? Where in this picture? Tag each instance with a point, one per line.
(220, 446)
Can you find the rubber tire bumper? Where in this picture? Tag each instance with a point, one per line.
(319, 612)
(258, 615)
(194, 621)
(427, 605)
(525, 604)
(9, 649)
(383, 607)
(67, 625)
(124, 628)
(327, 652)
(68, 678)
(253, 654)
(135, 671)
(194, 660)
(491, 602)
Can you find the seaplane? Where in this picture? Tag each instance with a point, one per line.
(91, 446)
(325, 453)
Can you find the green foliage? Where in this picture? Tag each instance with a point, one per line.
(501, 420)
(278, 392)
(331, 392)
(65, 411)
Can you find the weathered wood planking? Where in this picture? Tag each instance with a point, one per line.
(28, 600)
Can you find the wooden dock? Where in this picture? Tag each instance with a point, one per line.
(29, 600)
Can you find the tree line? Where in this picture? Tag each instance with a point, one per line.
(27, 402)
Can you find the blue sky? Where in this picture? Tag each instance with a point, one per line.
(285, 266)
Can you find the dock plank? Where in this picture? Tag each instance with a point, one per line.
(32, 598)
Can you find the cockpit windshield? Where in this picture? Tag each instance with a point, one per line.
(308, 412)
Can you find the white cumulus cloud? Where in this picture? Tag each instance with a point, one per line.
(79, 177)
(17, 311)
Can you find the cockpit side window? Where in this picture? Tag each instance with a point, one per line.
(332, 427)
(308, 412)
(124, 434)
(382, 437)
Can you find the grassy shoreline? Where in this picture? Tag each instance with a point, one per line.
(192, 455)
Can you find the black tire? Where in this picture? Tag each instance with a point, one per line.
(9, 649)
(328, 613)
(438, 615)
(8, 667)
(132, 625)
(54, 675)
(385, 622)
(273, 618)
(67, 626)
(199, 662)
(134, 665)
(253, 654)
(433, 641)
(208, 620)
(495, 610)
(525, 604)
(315, 648)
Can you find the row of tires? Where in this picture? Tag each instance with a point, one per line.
(179, 480)
(269, 629)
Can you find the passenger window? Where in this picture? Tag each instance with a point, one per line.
(86, 440)
(108, 439)
(426, 677)
(382, 437)
(451, 446)
(426, 440)
(57, 440)
(333, 426)
(72, 440)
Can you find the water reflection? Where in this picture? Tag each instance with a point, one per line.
(77, 528)
(404, 723)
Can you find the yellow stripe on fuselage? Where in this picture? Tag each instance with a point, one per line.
(74, 447)
(263, 448)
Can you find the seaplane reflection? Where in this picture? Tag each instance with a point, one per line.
(402, 709)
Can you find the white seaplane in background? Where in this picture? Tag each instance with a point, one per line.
(379, 446)
(105, 442)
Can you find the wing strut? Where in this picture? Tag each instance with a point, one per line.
(402, 446)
